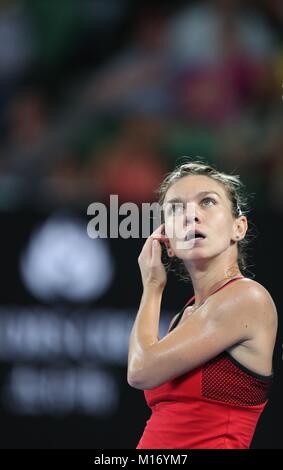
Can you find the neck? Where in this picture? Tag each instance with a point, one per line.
(207, 276)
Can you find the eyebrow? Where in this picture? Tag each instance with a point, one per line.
(202, 193)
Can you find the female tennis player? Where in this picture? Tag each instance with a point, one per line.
(207, 380)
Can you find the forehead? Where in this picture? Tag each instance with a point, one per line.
(189, 186)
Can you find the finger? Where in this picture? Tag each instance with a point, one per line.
(160, 237)
(147, 248)
(158, 231)
(160, 234)
(156, 252)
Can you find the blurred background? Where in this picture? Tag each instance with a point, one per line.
(103, 97)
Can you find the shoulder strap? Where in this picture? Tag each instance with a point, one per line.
(216, 290)
(179, 315)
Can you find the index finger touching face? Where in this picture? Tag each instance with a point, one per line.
(159, 231)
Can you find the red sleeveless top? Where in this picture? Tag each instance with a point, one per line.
(214, 406)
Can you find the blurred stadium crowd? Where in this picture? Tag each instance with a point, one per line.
(101, 97)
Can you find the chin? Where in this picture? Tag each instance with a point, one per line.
(193, 254)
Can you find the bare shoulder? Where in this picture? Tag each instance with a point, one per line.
(248, 296)
(252, 291)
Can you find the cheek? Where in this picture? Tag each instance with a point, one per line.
(222, 226)
(174, 228)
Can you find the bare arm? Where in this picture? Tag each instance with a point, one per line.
(145, 330)
(219, 324)
(144, 333)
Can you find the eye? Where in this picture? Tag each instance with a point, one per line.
(207, 200)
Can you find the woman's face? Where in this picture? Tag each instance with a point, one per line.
(197, 203)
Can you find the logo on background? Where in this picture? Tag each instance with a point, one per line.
(62, 263)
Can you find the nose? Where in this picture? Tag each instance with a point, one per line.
(191, 215)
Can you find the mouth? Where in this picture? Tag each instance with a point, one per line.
(195, 235)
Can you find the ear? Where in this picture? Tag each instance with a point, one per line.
(240, 228)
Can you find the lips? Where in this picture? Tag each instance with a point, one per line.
(194, 234)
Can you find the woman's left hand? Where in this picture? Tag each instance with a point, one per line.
(152, 269)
